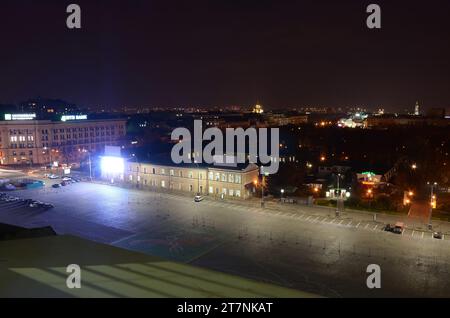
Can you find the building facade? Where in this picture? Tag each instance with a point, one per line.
(224, 182)
(27, 142)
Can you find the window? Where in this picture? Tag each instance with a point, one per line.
(217, 176)
(163, 171)
(238, 193)
(224, 191)
(163, 183)
(191, 174)
(237, 178)
(190, 187)
(231, 178)
(231, 193)
(210, 175)
(153, 170)
(131, 177)
(211, 190)
(145, 171)
(171, 172)
(224, 177)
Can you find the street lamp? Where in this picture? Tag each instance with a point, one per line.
(282, 191)
(90, 162)
(339, 202)
(432, 202)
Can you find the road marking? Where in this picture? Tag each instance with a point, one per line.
(349, 223)
(375, 227)
(443, 236)
(366, 225)
(357, 225)
(308, 218)
(323, 221)
(301, 216)
(432, 235)
(412, 234)
(331, 222)
(316, 219)
(340, 222)
(422, 234)
(278, 213)
(403, 231)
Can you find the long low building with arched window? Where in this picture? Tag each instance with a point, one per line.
(223, 181)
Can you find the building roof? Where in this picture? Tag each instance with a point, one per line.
(165, 160)
(37, 268)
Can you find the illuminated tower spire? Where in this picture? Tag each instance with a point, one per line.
(417, 109)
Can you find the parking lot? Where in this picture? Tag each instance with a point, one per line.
(308, 249)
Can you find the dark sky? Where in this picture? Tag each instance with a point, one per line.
(225, 52)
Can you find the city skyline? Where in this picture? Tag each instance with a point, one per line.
(290, 55)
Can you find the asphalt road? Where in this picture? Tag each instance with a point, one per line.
(308, 248)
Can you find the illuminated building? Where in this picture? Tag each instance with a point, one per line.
(220, 181)
(258, 109)
(24, 140)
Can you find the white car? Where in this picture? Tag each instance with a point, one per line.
(198, 198)
(53, 176)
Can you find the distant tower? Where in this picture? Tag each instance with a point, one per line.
(417, 109)
(257, 109)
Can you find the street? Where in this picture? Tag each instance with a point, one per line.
(305, 248)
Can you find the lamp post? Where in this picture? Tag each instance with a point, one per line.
(432, 198)
(339, 202)
(282, 191)
(90, 163)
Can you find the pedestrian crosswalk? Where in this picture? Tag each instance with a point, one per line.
(371, 226)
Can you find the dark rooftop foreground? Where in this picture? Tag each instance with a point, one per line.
(37, 268)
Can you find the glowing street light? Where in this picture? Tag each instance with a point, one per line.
(414, 166)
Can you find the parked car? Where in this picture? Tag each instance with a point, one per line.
(437, 235)
(198, 198)
(398, 228)
(53, 176)
(56, 185)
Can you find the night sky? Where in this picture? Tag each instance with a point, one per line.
(225, 52)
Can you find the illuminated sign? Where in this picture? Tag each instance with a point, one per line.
(20, 116)
(73, 117)
(112, 165)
